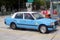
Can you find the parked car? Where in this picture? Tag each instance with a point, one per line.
(31, 20)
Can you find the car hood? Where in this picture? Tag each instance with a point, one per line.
(46, 21)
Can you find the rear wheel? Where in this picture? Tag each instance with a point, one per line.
(13, 26)
(43, 29)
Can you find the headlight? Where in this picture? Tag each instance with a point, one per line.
(57, 22)
(52, 23)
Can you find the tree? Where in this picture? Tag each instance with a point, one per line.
(41, 2)
(14, 3)
(45, 3)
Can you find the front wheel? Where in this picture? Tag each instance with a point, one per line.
(13, 26)
(43, 29)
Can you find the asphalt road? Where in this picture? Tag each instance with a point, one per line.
(8, 34)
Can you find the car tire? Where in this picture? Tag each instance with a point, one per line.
(43, 29)
(13, 26)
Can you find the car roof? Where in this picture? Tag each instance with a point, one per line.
(26, 12)
(21, 12)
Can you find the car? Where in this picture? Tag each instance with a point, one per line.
(31, 20)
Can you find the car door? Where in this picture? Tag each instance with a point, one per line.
(19, 20)
(29, 21)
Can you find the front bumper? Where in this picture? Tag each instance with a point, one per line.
(52, 27)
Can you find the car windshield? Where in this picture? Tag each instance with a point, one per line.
(37, 15)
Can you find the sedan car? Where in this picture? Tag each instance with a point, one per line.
(30, 20)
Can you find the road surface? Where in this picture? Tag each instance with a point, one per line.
(8, 34)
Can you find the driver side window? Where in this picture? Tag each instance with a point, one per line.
(28, 16)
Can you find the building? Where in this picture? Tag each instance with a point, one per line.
(56, 6)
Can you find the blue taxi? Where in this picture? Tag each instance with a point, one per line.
(31, 20)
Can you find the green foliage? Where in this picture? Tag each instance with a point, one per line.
(7, 2)
(10, 3)
(45, 3)
(41, 2)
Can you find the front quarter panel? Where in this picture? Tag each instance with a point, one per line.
(45, 21)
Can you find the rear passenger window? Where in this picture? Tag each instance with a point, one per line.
(19, 16)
